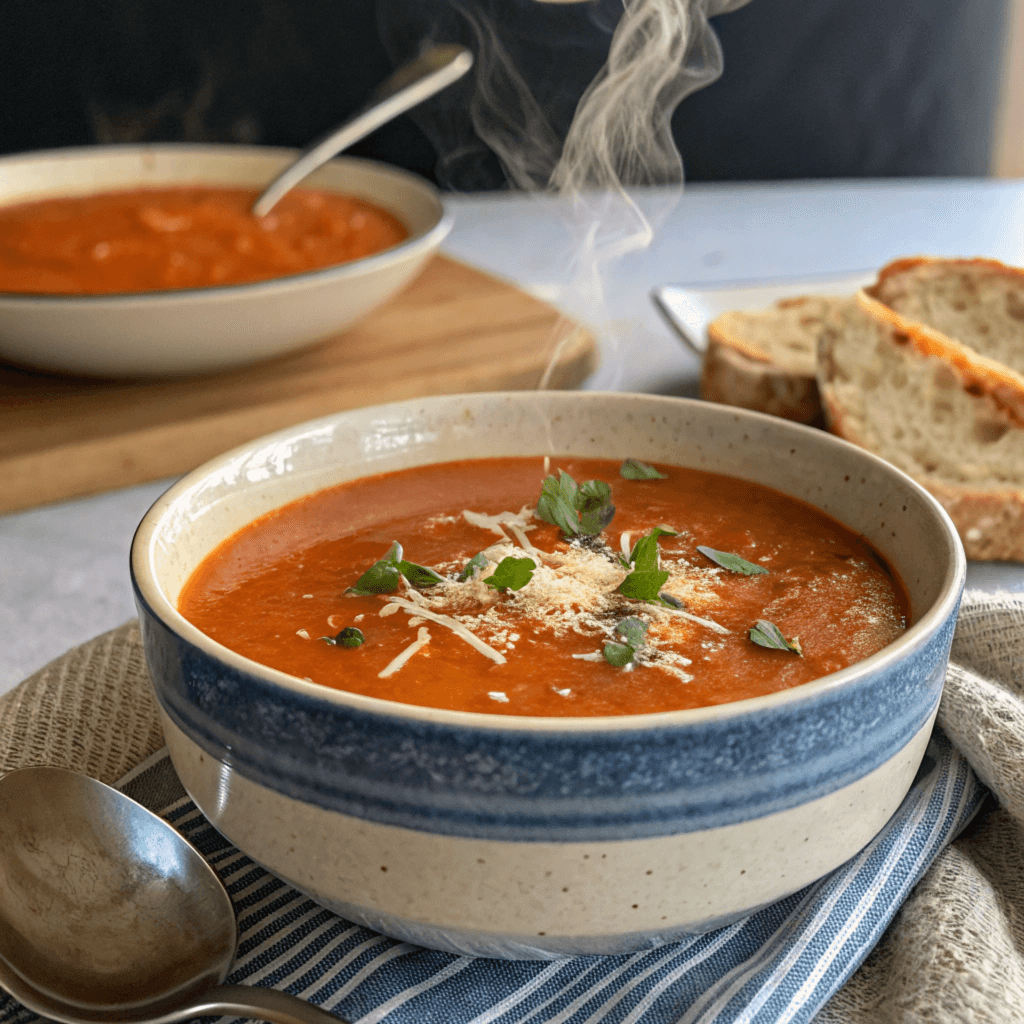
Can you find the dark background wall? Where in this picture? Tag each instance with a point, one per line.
(811, 87)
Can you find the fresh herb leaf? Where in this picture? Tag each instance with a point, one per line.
(645, 543)
(383, 577)
(633, 470)
(348, 637)
(584, 508)
(732, 562)
(478, 561)
(670, 600)
(512, 574)
(594, 501)
(619, 655)
(767, 634)
(646, 580)
(632, 630)
(643, 586)
(557, 504)
(419, 575)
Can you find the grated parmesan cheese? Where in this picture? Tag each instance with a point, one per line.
(497, 695)
(421, 641)
(302, 633)
(456, 627)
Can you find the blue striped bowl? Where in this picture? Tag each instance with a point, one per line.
(530, 838)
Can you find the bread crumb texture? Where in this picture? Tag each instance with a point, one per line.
(922, 414)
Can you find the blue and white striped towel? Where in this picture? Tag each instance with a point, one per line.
(778, 965)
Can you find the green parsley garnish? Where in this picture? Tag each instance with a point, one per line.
(478, 561)
(575, 508)
(512, 574)
(767, 634)
(632, 631)
(419, 575)
(348, 637)
(384, 576)
(633, 470)
(732, 562)
(644, 583)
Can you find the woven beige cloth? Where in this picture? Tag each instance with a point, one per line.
(954, 953)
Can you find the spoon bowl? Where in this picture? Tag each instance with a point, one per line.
(109, 914)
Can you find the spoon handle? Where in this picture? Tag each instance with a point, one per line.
(417, 81)
(262, 1003)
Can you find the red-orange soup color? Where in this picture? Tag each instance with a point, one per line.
(165, 239)
(282, 579)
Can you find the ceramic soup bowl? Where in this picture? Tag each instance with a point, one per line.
(526, 837)
(203, 330)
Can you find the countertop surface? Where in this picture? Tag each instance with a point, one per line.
(64, 568)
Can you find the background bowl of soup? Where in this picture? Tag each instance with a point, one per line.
(56, 320)
(538, 836)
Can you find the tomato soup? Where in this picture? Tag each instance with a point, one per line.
(165, 239)
(512, 587)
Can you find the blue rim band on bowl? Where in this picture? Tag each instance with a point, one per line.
(551, 786)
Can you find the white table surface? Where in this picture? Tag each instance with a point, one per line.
(64, 568)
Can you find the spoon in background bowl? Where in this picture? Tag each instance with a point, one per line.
(109, 915)
(433, 70)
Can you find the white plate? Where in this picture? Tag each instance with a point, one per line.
(688, 309)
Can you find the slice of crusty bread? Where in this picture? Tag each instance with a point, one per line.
(766, 360)
(968, 311)
(885, 390)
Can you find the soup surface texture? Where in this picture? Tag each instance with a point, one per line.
(566, 642)
(165, 239)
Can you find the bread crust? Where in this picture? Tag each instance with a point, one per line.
(989, 520)
(733, 377)
(978, 373)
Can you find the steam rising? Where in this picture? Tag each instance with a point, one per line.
(611, 134)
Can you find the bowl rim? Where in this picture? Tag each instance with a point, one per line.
(915, 637)
(408, 248)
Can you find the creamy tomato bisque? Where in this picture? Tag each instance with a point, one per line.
(509, 586)
(165, 239)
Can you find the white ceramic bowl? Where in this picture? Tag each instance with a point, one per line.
(204, 330)
(536, 837)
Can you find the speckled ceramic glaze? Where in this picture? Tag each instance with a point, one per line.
(530, 837)
(200, 330)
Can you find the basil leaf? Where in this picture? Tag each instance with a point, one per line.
(732, 562)
(419, 575)
(633, 470)
(619, 655)
(556, 504)
(478, 561)
(633, 630)
(382, 577)
(594, 520)
(512, 574)
(670, 600)
(593, 493)
(584, 508)
(643, 585)
(394, 555)
(594, 501)
(767, 634)
(567, 488)
(348, 637)
(658, 531)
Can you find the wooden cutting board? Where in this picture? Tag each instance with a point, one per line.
(454, 329)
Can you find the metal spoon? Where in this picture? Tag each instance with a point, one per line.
(108, 914)
(432, 71)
